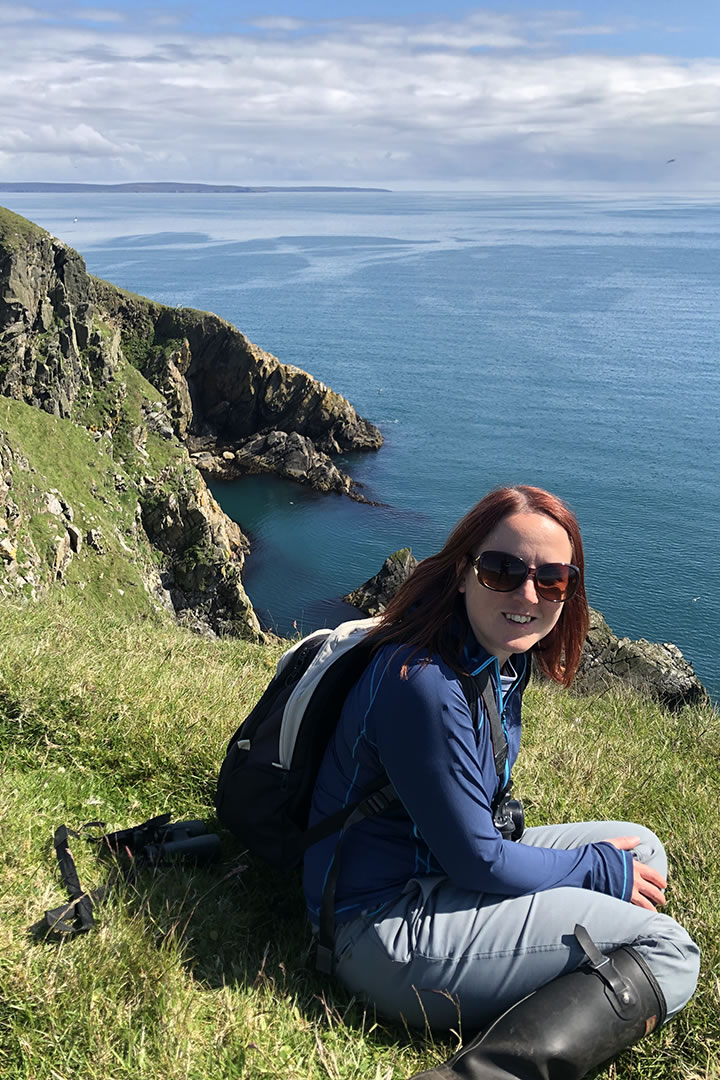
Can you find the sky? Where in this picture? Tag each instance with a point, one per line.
(394, 92)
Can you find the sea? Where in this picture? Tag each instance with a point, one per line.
(566, 340)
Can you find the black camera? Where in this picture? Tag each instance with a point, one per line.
(157, 841)
(188, 839)
(509, 818)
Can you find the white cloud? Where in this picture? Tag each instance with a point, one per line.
(48, 139)
(98, 15)
(14, 13)
(485, 96)
(277, 22)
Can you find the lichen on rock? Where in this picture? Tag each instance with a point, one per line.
(204, 552)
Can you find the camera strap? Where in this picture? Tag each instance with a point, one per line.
(478, 687)
(77, 917)
(497, 732)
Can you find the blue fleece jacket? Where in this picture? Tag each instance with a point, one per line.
(419, 731)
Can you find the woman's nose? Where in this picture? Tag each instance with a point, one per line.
(528, 589)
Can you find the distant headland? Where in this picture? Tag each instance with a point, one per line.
(169, 188)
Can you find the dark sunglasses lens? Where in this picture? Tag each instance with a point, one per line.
(557, 581)
(501, 572)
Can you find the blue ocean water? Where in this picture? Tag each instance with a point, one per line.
(570, 342)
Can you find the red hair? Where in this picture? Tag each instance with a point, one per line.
(421, 612)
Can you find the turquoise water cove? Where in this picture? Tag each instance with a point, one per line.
(569, 342)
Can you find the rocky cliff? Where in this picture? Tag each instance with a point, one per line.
(235, 389)
(63, 332)
(55, 345)
(76, 515)
(147, 386)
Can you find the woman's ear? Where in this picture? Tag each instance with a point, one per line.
(461, 569)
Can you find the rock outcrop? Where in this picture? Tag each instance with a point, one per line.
(291, 455)
(221, 387)
(205, 551)
(658, 669)
(607, 661)
(374, 596)
(18, 560)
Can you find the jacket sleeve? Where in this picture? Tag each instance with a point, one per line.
(446, 781)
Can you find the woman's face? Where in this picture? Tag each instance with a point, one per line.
(512, 622)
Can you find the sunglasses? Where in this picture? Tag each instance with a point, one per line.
(500, 572)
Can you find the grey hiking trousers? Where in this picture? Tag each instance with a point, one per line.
(443, 956)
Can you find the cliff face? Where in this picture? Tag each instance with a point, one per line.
(238, 390)
(227, 396)
(146, 384)
(54, 344)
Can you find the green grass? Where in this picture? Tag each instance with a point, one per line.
(65, 457)
(98, 477)
(16, 231)
(204, 974)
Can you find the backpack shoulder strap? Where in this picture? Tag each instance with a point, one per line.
(338, 658)
(376, 801)
(480, 686)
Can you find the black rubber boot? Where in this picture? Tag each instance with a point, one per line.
(568, 1026)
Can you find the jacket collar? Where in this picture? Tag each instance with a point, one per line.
(476, 657)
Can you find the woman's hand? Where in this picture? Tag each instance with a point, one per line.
(648, 884)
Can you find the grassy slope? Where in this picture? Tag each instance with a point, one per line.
(106, 714)
(15, 231)
(97, 477)
(63, 457)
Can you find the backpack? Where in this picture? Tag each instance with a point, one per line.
(267, 779)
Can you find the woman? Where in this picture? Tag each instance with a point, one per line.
(441, 918)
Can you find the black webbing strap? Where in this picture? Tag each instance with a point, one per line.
(336, 822)
(480, 686)
(77, 916)
(376, 802)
